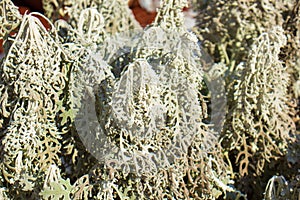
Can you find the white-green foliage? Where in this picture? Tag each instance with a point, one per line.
(149, 106)
(55, 187)
(84, 70)
(277, 188)
(91, 26)
(116, 14)
(227, 29)
(259, 128)
(9, 17)
(33, 81)
(155, 118)
(170, 16)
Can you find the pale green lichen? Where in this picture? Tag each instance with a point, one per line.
(9, 17)
(33, 81)
(259, 129)
(55, 187)
(96, 84)
(170, 14)
(152, 107)
(117, 16)
(155, 117)
(228, 28)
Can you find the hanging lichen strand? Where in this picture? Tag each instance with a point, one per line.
(259, 128)
(117, 16)
(9, 17)
(170, 14)
(227, 29)
(153, 120)
(32, 76)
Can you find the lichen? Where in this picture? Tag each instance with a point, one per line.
(95, 107)
(259, 129)
(9, 17)
(227, 29)
(33, 82)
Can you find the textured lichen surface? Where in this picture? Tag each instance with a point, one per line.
(260, 129)
(9, 17)
(95, 107)
(229, 31)
(33, 82)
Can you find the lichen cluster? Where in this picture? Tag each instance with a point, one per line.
(258, 40)
(259, 129)
(95, 107)
(9, 19)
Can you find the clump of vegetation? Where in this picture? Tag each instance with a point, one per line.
(259, 128)
(10, 18)
(229, 31)
(95, 107)
(32, 82)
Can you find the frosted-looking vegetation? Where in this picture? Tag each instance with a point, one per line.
(97, 107)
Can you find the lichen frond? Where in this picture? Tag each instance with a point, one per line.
(116, 14)
(9, 17)
(32, 73)
(260, 129)
(170, 14)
